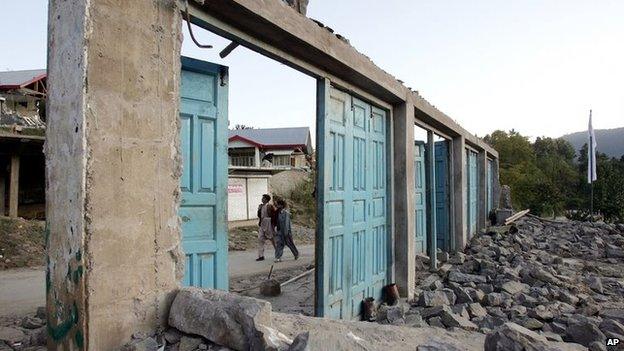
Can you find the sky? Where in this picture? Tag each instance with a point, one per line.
(536, 66)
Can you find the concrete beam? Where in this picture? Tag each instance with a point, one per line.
(14, 186)
(404, 217)
(113, 167)
(273, 29)
(496, 186)
(459, 218)
(431, 202)
(482, 214)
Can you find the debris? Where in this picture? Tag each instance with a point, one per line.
(270, 287)
(516, 216)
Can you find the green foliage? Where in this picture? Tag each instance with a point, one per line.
(547, 177)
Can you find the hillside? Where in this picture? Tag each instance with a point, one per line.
(610, 141)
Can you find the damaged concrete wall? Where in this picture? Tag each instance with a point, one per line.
(113, 166)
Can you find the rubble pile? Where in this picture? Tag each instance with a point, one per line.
(28, 334)
(537, 280)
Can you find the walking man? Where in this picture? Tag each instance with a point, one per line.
(284, 233)
(265, 230)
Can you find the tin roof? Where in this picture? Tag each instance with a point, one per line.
(20, 79)
(275, 137)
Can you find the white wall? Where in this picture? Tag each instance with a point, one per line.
(244, 196)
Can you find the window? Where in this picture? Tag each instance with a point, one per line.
(281, 160)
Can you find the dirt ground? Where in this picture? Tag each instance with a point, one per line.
(246, 238)
(297, 297)
(22, 243)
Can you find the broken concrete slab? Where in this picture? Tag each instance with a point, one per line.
(227, 319)
(511, 336)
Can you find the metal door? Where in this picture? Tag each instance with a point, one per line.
(352, 257)
(471, 172)
(420, 197)
(441, 188)
(203, 140)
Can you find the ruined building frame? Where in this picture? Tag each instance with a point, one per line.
(113, 162)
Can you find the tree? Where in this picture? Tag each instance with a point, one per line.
(242, 126)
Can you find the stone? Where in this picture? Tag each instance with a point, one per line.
(435, 311)
(614, 251)
(476, 295)
(442, 257)
(436, 322)
(433, 298)
(457, 258)
(188, 343)
(11, 335)
(415, 320)
(172, 336)
(531, 323)
(436, 285)
(32, 323)
(514, 287)
(224, 318)
(595, 283)
(462, 295)
(41, 313)
(568, 298)
(552, 336)
(597, 346)
(476, 310)
(541, 312)
(450, 295)
(453, 320)
(147, 344)
(326, 339)
(39, 337)
(494, 299)
(459, 277)
(270, 287)
(517, 311)
(584, 333)
(511, 336)
(461, 310)
(394, 315)
(613, 326)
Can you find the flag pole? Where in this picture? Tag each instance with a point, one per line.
(591, 177)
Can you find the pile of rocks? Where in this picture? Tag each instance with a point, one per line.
(28, 334)
(561, 280)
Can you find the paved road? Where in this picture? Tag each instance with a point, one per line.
(23, 290)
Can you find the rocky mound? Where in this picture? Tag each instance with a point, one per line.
(561, 280)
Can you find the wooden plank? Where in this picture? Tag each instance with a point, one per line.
(14, 186)
(516, 216)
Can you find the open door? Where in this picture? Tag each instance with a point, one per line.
(353, 198)
(203, 141)
(420, 197)
(472, 186)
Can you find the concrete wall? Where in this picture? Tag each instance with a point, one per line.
(113, 166)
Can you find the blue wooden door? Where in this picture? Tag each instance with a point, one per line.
(442, 202)
(353, 254)
(420, 197)
(203, 140)
(472, 186)
(490, 185)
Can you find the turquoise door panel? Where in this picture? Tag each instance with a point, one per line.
(420, 197)
(472, 194)
(203, 141)
(353, 254)
(442, 192)
(490, 185)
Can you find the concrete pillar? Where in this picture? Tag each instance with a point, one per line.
(14, 186)
(256, 157)
(481, 190)
(112, 165)
(431, 202)
(496, 186)
(459, 192)
(404, 216)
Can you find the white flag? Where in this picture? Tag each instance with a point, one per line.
(591, 153)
